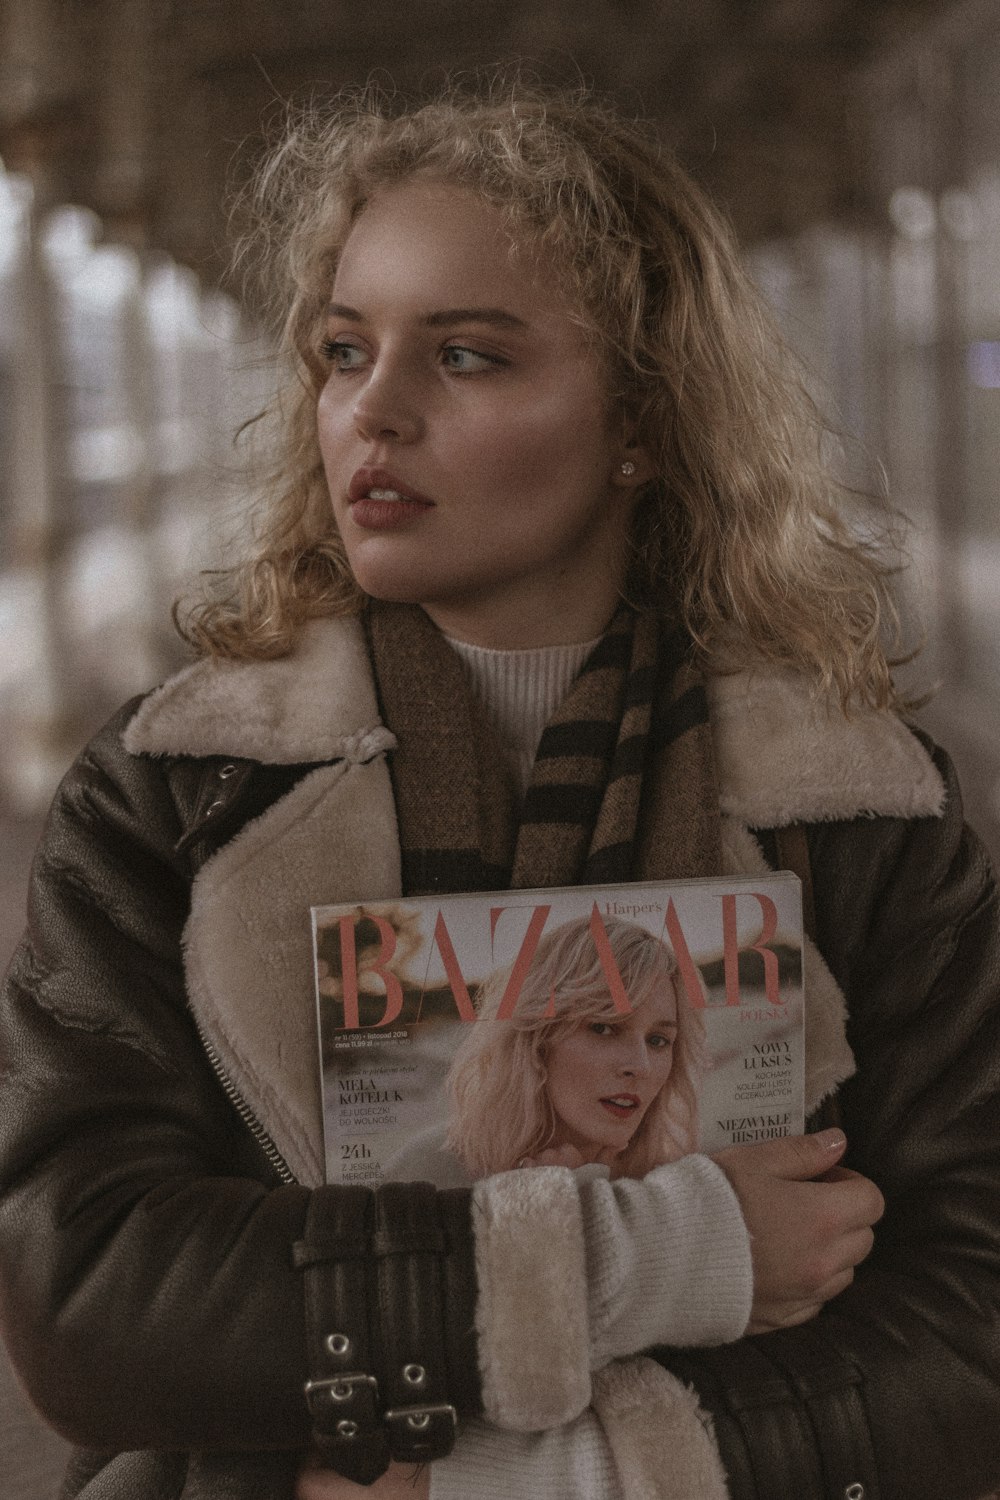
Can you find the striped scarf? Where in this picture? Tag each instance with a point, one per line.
(623, 786)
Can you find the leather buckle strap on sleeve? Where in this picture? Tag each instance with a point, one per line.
(342, 1392)
(412, 1368)
(343, 1399)
(788, 1415)
(458, 1297)
(422, 1432)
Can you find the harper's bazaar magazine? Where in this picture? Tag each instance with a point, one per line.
(469, 1034)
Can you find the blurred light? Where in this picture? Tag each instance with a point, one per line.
(108, 580)
(913, 213)
(15, 205)
(960, 214)
(111, 454)
(982, 361)
(111, 273)
(70, 232)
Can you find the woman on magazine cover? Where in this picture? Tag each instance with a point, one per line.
(568, 1079)
(549, 585)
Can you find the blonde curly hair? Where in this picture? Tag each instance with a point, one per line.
(742, 535)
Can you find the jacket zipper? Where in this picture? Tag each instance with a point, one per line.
(242, 1108)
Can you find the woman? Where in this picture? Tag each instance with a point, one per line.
(569, 1079)
(537, 425)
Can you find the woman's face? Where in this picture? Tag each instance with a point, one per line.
(603, 1076)
(471, 459)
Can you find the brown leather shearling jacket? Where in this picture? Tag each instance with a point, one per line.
(152, 1294)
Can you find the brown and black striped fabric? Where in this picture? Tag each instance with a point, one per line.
(623, 786)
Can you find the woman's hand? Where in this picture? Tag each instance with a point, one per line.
(809, 1220)
(399, 1482)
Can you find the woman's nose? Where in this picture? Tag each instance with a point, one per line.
(387, 407)
(634, 1060)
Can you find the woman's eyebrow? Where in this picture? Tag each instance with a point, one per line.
(497, 317)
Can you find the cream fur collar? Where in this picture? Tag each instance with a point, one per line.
(313, 705)
(783, 755)
(248, 957)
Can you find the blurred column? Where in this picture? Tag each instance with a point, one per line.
(933, 159)
(823, 286)
(970, 222)
(915, 420)
(39, 704)
(38, 80)
(125, 185)
(107, 413)
(41, 126)
(972, 218)
(206, 379)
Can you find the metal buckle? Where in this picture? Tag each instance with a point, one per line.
(337, 1395)
(422, 1431)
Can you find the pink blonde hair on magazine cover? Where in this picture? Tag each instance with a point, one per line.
(501, 1111)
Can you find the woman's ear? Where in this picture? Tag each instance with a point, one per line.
(634, 466)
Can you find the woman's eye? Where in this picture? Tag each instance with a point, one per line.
(342, 356)
(659, 1041)
(602, 1028)
(467, 361)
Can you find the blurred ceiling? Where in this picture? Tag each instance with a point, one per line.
(146, 109)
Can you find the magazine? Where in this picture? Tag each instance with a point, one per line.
(467, 1034)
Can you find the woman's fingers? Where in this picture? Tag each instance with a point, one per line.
(810, 1224)
(865, 1198)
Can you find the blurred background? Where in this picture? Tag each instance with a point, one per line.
(855, 144)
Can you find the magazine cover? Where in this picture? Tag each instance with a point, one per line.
(465, 1035)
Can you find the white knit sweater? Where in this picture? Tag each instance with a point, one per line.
(668, 1259)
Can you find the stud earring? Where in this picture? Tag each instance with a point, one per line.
(628, 468)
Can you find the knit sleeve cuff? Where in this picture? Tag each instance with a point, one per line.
(667, 1260)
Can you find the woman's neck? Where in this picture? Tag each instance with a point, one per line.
(526, 630)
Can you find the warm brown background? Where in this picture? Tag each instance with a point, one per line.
(140, 107)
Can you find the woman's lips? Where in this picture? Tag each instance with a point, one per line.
(621, 1106)
(379, 501)
(382, 514)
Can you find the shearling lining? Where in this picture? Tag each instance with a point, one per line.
(316, 704)
(531, 1272)
(785, 755)
(673, 1457)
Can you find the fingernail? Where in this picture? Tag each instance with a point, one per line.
(831, 1140)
